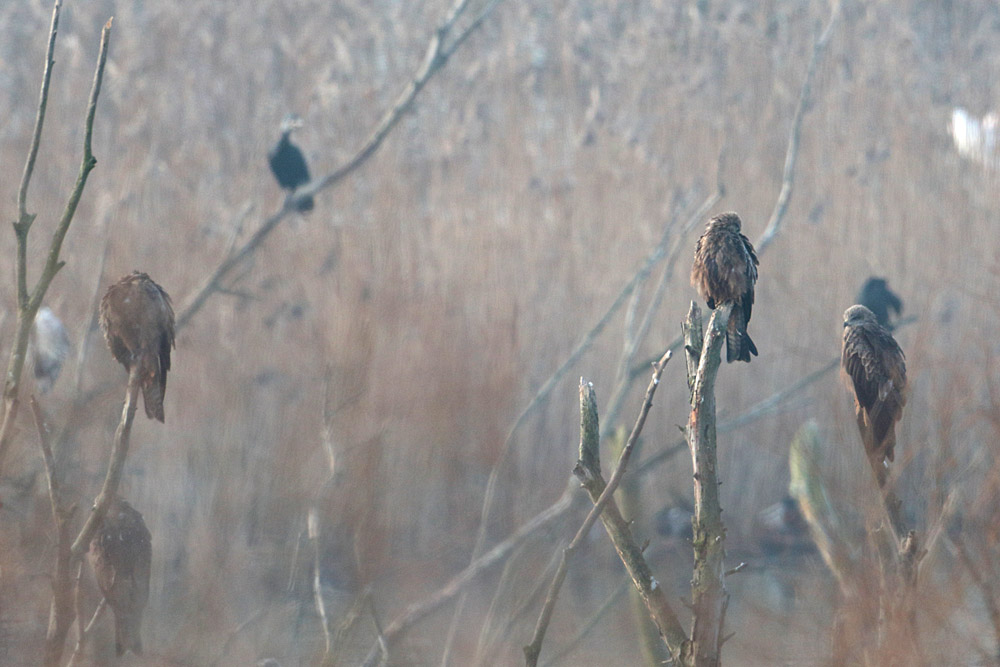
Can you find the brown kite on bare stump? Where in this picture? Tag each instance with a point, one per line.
(875, 364)
(120, 554)
(725, 271)
(138, 323)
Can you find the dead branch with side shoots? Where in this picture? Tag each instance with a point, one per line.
(28, 303)
(588, 471)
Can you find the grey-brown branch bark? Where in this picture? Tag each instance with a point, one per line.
(116, 465)
(708, 592)
(588, 471)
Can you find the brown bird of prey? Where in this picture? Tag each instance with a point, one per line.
(120, 554)
(875, 365)
(138, 324)
(725, 271)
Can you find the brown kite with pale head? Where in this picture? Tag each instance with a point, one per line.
(120, 554)
(138, 324)
(725, 271)
(875, 364)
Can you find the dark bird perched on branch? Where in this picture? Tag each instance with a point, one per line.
(138, 324)
(120, 554)
(49, 346)
(876, 296)
(875, 364)
(725, 271)
(288, 164)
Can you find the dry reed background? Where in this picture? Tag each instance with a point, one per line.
(425, 300)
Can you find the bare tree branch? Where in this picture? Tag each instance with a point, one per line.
(119, 453)
(416, 611)
(27, 305)
(792, 152)
(588, 470)
(435, 58)
(708, 593)
(62, 610)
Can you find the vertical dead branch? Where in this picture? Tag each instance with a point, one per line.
(588, 470)
(708, 592)
(116, 465)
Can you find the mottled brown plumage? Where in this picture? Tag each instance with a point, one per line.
(876, 367)
(120, 554)
(725, 271)
(138, 324)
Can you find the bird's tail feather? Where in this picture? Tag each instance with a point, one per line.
(152, 388)
(127, 637)
(739, 346)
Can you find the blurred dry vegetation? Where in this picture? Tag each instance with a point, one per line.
(407, 321)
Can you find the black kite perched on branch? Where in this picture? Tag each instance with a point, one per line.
(875, 364)
(138, 324)
(725, 271)
(876, 296)
(120, 554)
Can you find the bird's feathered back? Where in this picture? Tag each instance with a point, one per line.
(137, 319)
(725, 271)
(876, 366)
(120, 553)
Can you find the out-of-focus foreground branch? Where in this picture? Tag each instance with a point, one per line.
(28, 303)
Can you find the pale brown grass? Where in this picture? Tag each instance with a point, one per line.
(440, 285)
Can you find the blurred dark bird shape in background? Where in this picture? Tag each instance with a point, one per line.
(725, 271)
(120, 554)
(288, 164)
(781, 528)
(674, 523)
(49, 348)
(876, 296)
(138, 324)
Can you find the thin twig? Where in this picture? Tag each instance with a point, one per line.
(61, 610)
(27, 305)
(588, 625)
(418, 610)
(78, 649)
(792, 152)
